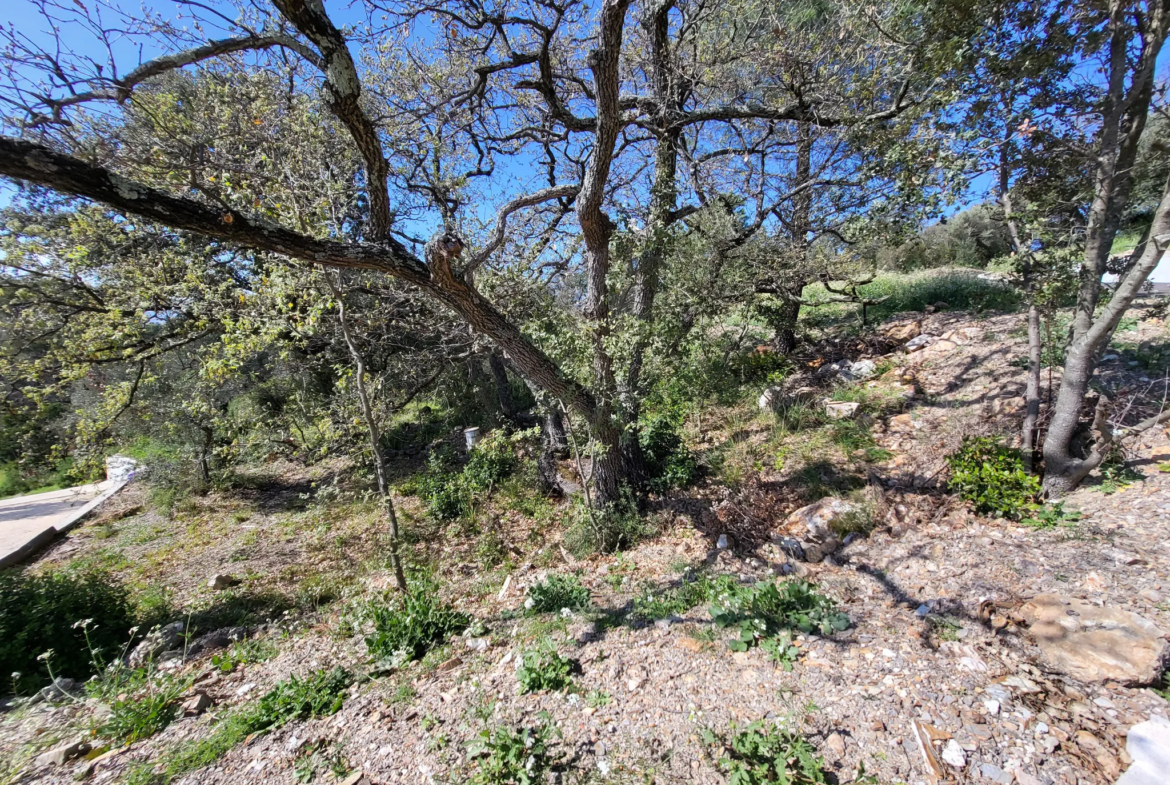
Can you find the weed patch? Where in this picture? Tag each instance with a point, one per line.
(514, 757)
(411, 624)
(544, 669)
(758, 754)
(771, 611)
(605, 530)
(555, 593)
(663, 603)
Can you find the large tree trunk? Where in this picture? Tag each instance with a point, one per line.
(784, 324)
(1062, 469)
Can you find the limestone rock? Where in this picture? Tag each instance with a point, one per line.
(816, 520)
(919, 342)
(903, 331)
(197, 704)
(218, 582)
(163, 639)
(1096, 644)
(62, 753)
(841, 410)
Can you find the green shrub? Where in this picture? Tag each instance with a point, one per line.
(44, 612)
(490, 461)
(556, 592)
(445, 492)
(413, 623)
(766, 610)
(544, 669)
(1051, 516)
(450, 494)
(759, 754)
(508, 757)
(669, 464)
(606, 529)
(991, 476)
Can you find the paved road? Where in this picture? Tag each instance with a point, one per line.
(31, 521)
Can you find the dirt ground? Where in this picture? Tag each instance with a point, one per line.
(931, 594)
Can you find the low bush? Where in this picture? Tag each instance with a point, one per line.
(317, 695)
(605, 529)
(490, 461)
(669, 464)
(758, 754)
(514, 757)
(544, 669)
(83, 618)
(555, 593)
(450, 494)
(991, 476)
(769, 611)
(412, 623)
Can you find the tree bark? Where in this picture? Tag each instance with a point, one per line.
(1063, 470)
(504, 396)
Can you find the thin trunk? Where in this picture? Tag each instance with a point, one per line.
(375, 434)
(1123, 118)
(1028, 434)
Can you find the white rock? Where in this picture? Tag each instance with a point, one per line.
(954, 755)
(841, 410)
(721, 543)
(1148, 744)
(920, 342)
(992, 706)
(218, 582)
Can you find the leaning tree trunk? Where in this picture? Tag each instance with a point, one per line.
(1062, 469)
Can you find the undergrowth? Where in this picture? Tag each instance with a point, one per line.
(514, 757)
(543, 668)
(991, 476)
(557, 592)
(758, 754)
(411, 623)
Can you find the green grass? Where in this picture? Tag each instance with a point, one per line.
(319, 694)
(961, 290)
(654, 603)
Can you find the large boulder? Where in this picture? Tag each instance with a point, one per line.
(815, 521)
(1093, 643)
(903, 331)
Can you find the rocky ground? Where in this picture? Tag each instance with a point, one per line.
(961, 662)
